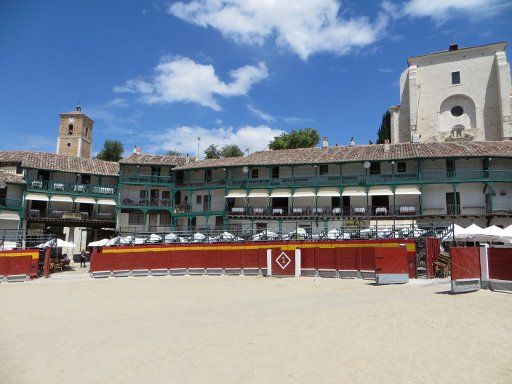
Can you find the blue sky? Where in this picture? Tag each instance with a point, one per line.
(157, 74)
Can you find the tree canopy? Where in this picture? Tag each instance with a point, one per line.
(384, 132)
(231, 150)
(173, 152)
(212, 152)
(112, 151)
(302, 138)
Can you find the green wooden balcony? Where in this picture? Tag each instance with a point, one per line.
(10, 203)
(62, 187)
(357, 179)
(145, 179)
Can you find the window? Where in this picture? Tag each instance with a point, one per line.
(401, 167)
(155, 171)
(456, 77)
(199, 199)
(208, 175)
(323, 169)
(3, 196)
(275, 172)
(254, 173)
(165, 219)
(155, 193)
(143, 194)
(450, 167)
(135, 218)
(70, 129)
(86, 131)
(375, 168)
(457, 111)
(69, 144)
(166, 195)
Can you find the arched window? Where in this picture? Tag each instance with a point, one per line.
(70, 129)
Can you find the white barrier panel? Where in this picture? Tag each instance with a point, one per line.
(269, 262)
(297, 262)
(484, 266)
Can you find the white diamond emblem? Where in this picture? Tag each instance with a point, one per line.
(283, 260)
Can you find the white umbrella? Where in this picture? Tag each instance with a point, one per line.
(227, 236)
(154, 238)
(267, 234)
(336, 234)
(170, 238)
(7, 245)
(132, 240)
(57, 243)
(199, 237)
(99, 243)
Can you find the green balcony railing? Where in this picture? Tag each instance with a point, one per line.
(10, 203)
(355, 179)
(71, 188)
(145, 179)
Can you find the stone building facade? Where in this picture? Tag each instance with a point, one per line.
(455, 95)
(75, 134)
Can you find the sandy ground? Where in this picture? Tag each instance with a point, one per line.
(71, 329)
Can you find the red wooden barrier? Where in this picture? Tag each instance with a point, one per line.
(283, 262)
(432, 251)
(465, 263)
(308, 258)
(326, 258)
(347, 259)
(500, 263)
(19, 262)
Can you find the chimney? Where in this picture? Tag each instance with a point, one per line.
(453, 47)
(352, 142)
(386, 145)
(325, 142)
(187, 159)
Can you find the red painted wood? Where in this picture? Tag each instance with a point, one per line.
(432, 251)
(281, 258)
(234, 259)
(19, 265)
(3, 265)
(101, 262)
(307, 256)
(326, 258)
(391, 260)
(465, 262)
(159, 260)
(179, 260)
(366, 259)
(347, 259)
(213, 259)
(196, 258)
(262, 258)
(500, 263)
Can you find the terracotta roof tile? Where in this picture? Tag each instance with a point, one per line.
(148, 159)
(11, 178)
(53, 162)
(340, 154)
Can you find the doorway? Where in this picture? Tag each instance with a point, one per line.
(380, 205)
(453, 203)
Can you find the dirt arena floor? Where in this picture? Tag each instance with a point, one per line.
(74, 329)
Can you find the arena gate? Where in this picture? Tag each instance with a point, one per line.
(18, 265)
(351, 258)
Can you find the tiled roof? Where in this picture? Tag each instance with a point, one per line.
(340, 154)
(148, 159)
(53, 162)
(11, 178)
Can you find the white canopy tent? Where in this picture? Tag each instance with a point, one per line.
(99, 243)
(56, 243)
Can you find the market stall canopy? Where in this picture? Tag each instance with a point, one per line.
(380, 191)
(9, 215)
(56, 243)
(37, 197)
(328, 192)
(407, 190)
(106, 202)
(236, 193)
(87, 200)
(99, 243)
(258, 193)
(281, 193)
(354, 191)
(304, 192)
(64, 199)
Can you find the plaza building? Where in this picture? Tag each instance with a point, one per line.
(462, 94)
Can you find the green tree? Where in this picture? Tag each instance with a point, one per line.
(302, 138)
(212, 152)
(112, 151)
(173, 152)
(384, 132)
(231, 150)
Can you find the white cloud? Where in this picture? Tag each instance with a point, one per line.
(304, 26)
(182, 79)
(261, 114)
(267, 117)
(184, 138)
(444, 9)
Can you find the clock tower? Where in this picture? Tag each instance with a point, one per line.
(75, 134)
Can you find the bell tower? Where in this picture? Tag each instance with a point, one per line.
(75, 134)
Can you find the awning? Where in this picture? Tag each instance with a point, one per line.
(236, 193)
(354, 191)
(380, 191)
(36, 197)
(281, 193)
(328, 192)
(66, 199)
(106, 202)
(408, 190)
(88, 200)
(304, 192)
(9, 215)
(258, 193)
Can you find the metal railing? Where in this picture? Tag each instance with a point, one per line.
(7, 202)
(127, 202)
(145, 179)
(326, 211)
(19, 239)
(274, 232)
(36, 214)
(55, 186)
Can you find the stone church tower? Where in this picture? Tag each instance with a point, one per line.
(75, 134)
(462, 94)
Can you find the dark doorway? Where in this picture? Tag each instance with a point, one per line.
(380, 205)
(453, 203)
(280, 203)
(345, 200)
